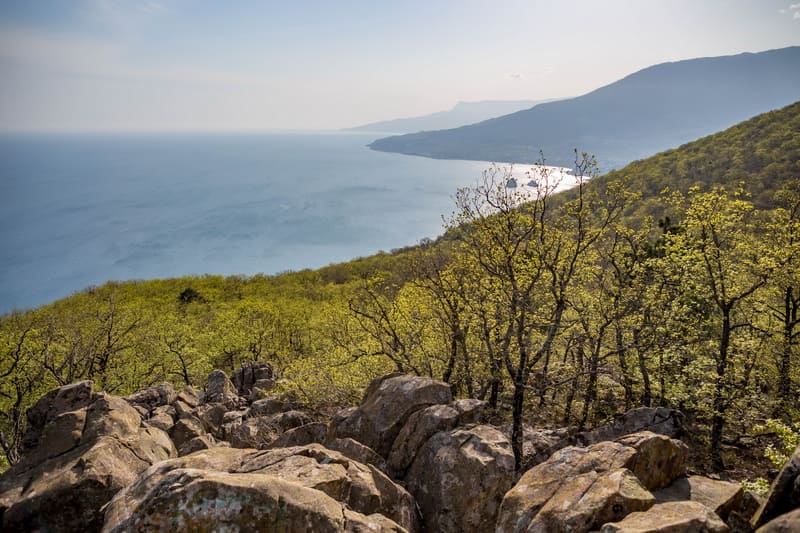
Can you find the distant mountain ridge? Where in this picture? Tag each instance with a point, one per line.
(656, 108)
(461, 114)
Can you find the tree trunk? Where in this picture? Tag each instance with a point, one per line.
(718, 417)
(785, 396)
(517, 436)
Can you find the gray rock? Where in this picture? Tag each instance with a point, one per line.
(201, 442)
(212, 417)
(188, 395)
(185, 430)
(152, 397)
(305, 488)
(61, 400)
(249, 374)
(358, 452)
(81, 458)
(288, 420)
(314, 432)
(785, 523)
(659, 420)
(670, 517)
(459, 478)
(420, 426)
(261, 388)
(257, 432)
(268, 406)
(219, 389)
(615, 476)
(388, 402)
(189, 500)
(722, 497)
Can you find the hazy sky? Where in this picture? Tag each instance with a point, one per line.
(261, 64)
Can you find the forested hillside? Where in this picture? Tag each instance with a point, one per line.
(556, 309)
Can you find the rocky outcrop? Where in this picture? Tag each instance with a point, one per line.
(219, 389)
(784, 493)
(197, 500)
(67, 399)
(722, 497)
(659, 420)
(785, 523)
(152, 397)
(671, 517)
(587, 487)
(388, 403)
(658, 461)
(314, 432)
(539, 444)
(358, 452)
(310, 488)
(459, 478)
(81, 448)
(424, 424)
(408, 458)
(249, 375)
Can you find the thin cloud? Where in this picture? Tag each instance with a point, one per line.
(515, 75)
(45, 52)
(794, 9)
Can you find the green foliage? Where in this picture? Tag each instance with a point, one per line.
(789, 438)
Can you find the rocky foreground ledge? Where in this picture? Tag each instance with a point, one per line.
(408, 458)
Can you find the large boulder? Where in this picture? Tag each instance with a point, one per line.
(212, 416)
(419, 427)
(363, 487)
(219, 389)
(358, 452)
(659, 460)
(785, 523)
(185, 430)
(523, 503)
(459, 478)
(82, 449)
(69, 398)
(249, 374)
(590, 500)
(268, 406)
(153, 397)
(722, 497)
(202, 491)
(388, 403)
(670, 517)
(659, 420)
(162, 417)
(188, 395)
(539, 444)
(302, 435)
(257, 432)
(615, 476)
(784, 493)
(188, 500)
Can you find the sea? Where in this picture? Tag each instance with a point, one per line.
(77, 210)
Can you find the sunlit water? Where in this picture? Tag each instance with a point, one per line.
(78, 210)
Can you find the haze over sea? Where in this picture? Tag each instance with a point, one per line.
(77, 210)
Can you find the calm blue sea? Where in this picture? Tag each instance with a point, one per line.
(78, 210)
